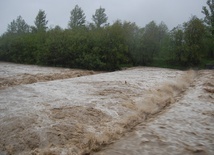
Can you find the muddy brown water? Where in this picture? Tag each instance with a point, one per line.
(17, 74)
(186, 127)
(125, 112)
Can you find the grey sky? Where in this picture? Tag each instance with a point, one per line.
(172, 12)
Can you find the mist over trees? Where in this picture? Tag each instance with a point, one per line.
(101, 46)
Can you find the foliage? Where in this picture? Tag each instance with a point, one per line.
(177, 44)
(40, 22)
(18, 26)
(209, 15)
(188, 42)
(209, 20)
(107, 47)
(194, 34)
(100, 18)
(77, 18)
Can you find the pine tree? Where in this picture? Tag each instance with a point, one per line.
(40, 22)
(77, 18)
(100, 17)
(18, 26)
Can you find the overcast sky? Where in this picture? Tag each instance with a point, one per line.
(172, 12)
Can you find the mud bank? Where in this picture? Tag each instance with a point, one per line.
(81, 115)
(186, 127)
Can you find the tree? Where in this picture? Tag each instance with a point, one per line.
(40, 22)
(163, 40)
(12, 27)
(162, 31)
(209, 20)
(100, 18)
(177, 43)
(193, 34)
(18, 26)
(151, 41)
(77, 18)
(209, 15)
(131, 36)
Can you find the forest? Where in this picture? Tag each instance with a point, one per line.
(103, 46)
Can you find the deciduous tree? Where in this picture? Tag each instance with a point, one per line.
(177, 43)
(209, 20)
(209, 15)
(193, 34)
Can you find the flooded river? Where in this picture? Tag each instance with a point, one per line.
(143, 110)
(186, 127)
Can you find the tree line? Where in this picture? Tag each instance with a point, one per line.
(103, 46)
